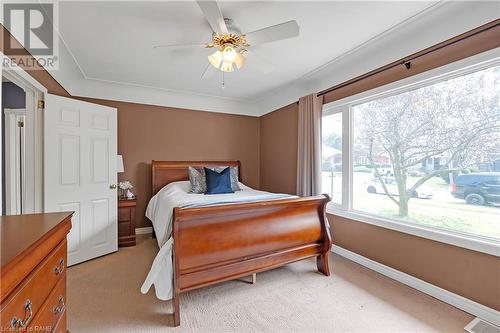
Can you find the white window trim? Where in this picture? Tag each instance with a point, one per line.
(468, 241)
(462, 67)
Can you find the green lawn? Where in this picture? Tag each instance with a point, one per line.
(478, 220)
(454, 222)
(442, 211)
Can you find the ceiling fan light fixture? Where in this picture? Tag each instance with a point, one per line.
(230, 43)
(215, 59)
(227, 67)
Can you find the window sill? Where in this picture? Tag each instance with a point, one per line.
(471, 242)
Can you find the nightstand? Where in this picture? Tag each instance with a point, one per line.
(126, 222)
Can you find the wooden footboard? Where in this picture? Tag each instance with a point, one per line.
(219, 243)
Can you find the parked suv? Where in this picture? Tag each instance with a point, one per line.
(478, 188)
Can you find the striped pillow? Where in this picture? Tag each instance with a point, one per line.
(197, 180)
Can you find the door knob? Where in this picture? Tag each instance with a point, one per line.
(112, 186)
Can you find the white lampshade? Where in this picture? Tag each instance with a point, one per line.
(239, 60)
(119, 164)
(215, 59)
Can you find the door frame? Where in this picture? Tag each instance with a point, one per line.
(15, 137)
(35, 92)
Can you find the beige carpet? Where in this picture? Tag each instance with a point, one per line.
(104, 296)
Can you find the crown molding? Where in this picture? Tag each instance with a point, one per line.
(161, 97)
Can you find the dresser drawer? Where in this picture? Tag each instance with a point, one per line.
(52, 311)
(124, 214)
(124, 229)
(126, 222)
(27, 299)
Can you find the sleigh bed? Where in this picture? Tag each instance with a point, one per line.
(222, 242)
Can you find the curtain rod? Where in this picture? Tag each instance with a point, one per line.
(407, 60)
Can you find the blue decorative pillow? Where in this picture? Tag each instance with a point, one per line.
(218, 183)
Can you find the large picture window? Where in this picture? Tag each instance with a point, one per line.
(427, 155)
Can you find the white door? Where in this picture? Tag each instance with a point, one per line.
(80, 173)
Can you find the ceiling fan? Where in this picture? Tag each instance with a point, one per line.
(232, 46)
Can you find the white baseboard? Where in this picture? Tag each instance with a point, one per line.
(446, 296)
(144, 230)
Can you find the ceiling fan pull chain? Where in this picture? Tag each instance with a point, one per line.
(223, 83)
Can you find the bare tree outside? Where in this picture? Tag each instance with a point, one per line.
(456, 122)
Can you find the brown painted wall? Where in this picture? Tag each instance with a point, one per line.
(467, 273)
(147, 132)
(278, 150)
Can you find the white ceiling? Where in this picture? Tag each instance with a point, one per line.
(113, 41)
(107, 51)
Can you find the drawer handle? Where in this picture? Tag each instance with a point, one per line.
(17, 323)
(60, 269)
(58, 309)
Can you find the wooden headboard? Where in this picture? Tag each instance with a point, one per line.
(166, 172)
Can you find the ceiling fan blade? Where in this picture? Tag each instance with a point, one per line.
(180, 46)
(273, 33)
(213, 15)
(209, 72)
(258, 63)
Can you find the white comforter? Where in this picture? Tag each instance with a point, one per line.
(159, 211)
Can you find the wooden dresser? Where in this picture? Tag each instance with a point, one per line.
(33, 272)
(126, 222)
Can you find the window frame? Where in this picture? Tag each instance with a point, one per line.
(463, 67)
(329, 112)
